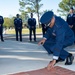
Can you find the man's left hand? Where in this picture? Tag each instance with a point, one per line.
(51, 64)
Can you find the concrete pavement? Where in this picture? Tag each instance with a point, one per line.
(24, 56)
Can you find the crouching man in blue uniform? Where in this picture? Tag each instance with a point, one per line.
(58, 36)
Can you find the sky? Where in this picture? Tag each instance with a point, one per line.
(10, 8)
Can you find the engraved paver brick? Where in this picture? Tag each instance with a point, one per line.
(55, 71)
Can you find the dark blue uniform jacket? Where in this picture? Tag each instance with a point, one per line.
(71, 19)
(62, 33)
(32, 22)
(18, 22)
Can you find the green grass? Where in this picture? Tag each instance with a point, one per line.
(24, 31)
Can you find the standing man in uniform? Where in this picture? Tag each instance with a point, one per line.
(18, 27)
(44, 29)
(32, 27)
(58, 36)
(71, 20)
(1, 27)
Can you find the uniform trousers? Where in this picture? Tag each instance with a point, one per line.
(49, 43)
(18, 30)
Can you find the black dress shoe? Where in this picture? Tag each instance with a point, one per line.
(20, 40)
(2, 40)
(59, 60)
(69, 60)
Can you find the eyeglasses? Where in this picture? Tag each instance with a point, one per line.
(49, 24)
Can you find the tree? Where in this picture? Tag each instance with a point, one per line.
(12, 22)
(24, 17)
(29, 6)
(8, 22)
(65, 6)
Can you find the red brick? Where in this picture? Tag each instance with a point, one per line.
(55, 71)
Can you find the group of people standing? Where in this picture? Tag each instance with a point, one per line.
(18, 27)
(31, 25)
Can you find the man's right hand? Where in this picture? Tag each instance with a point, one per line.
(42, 42)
